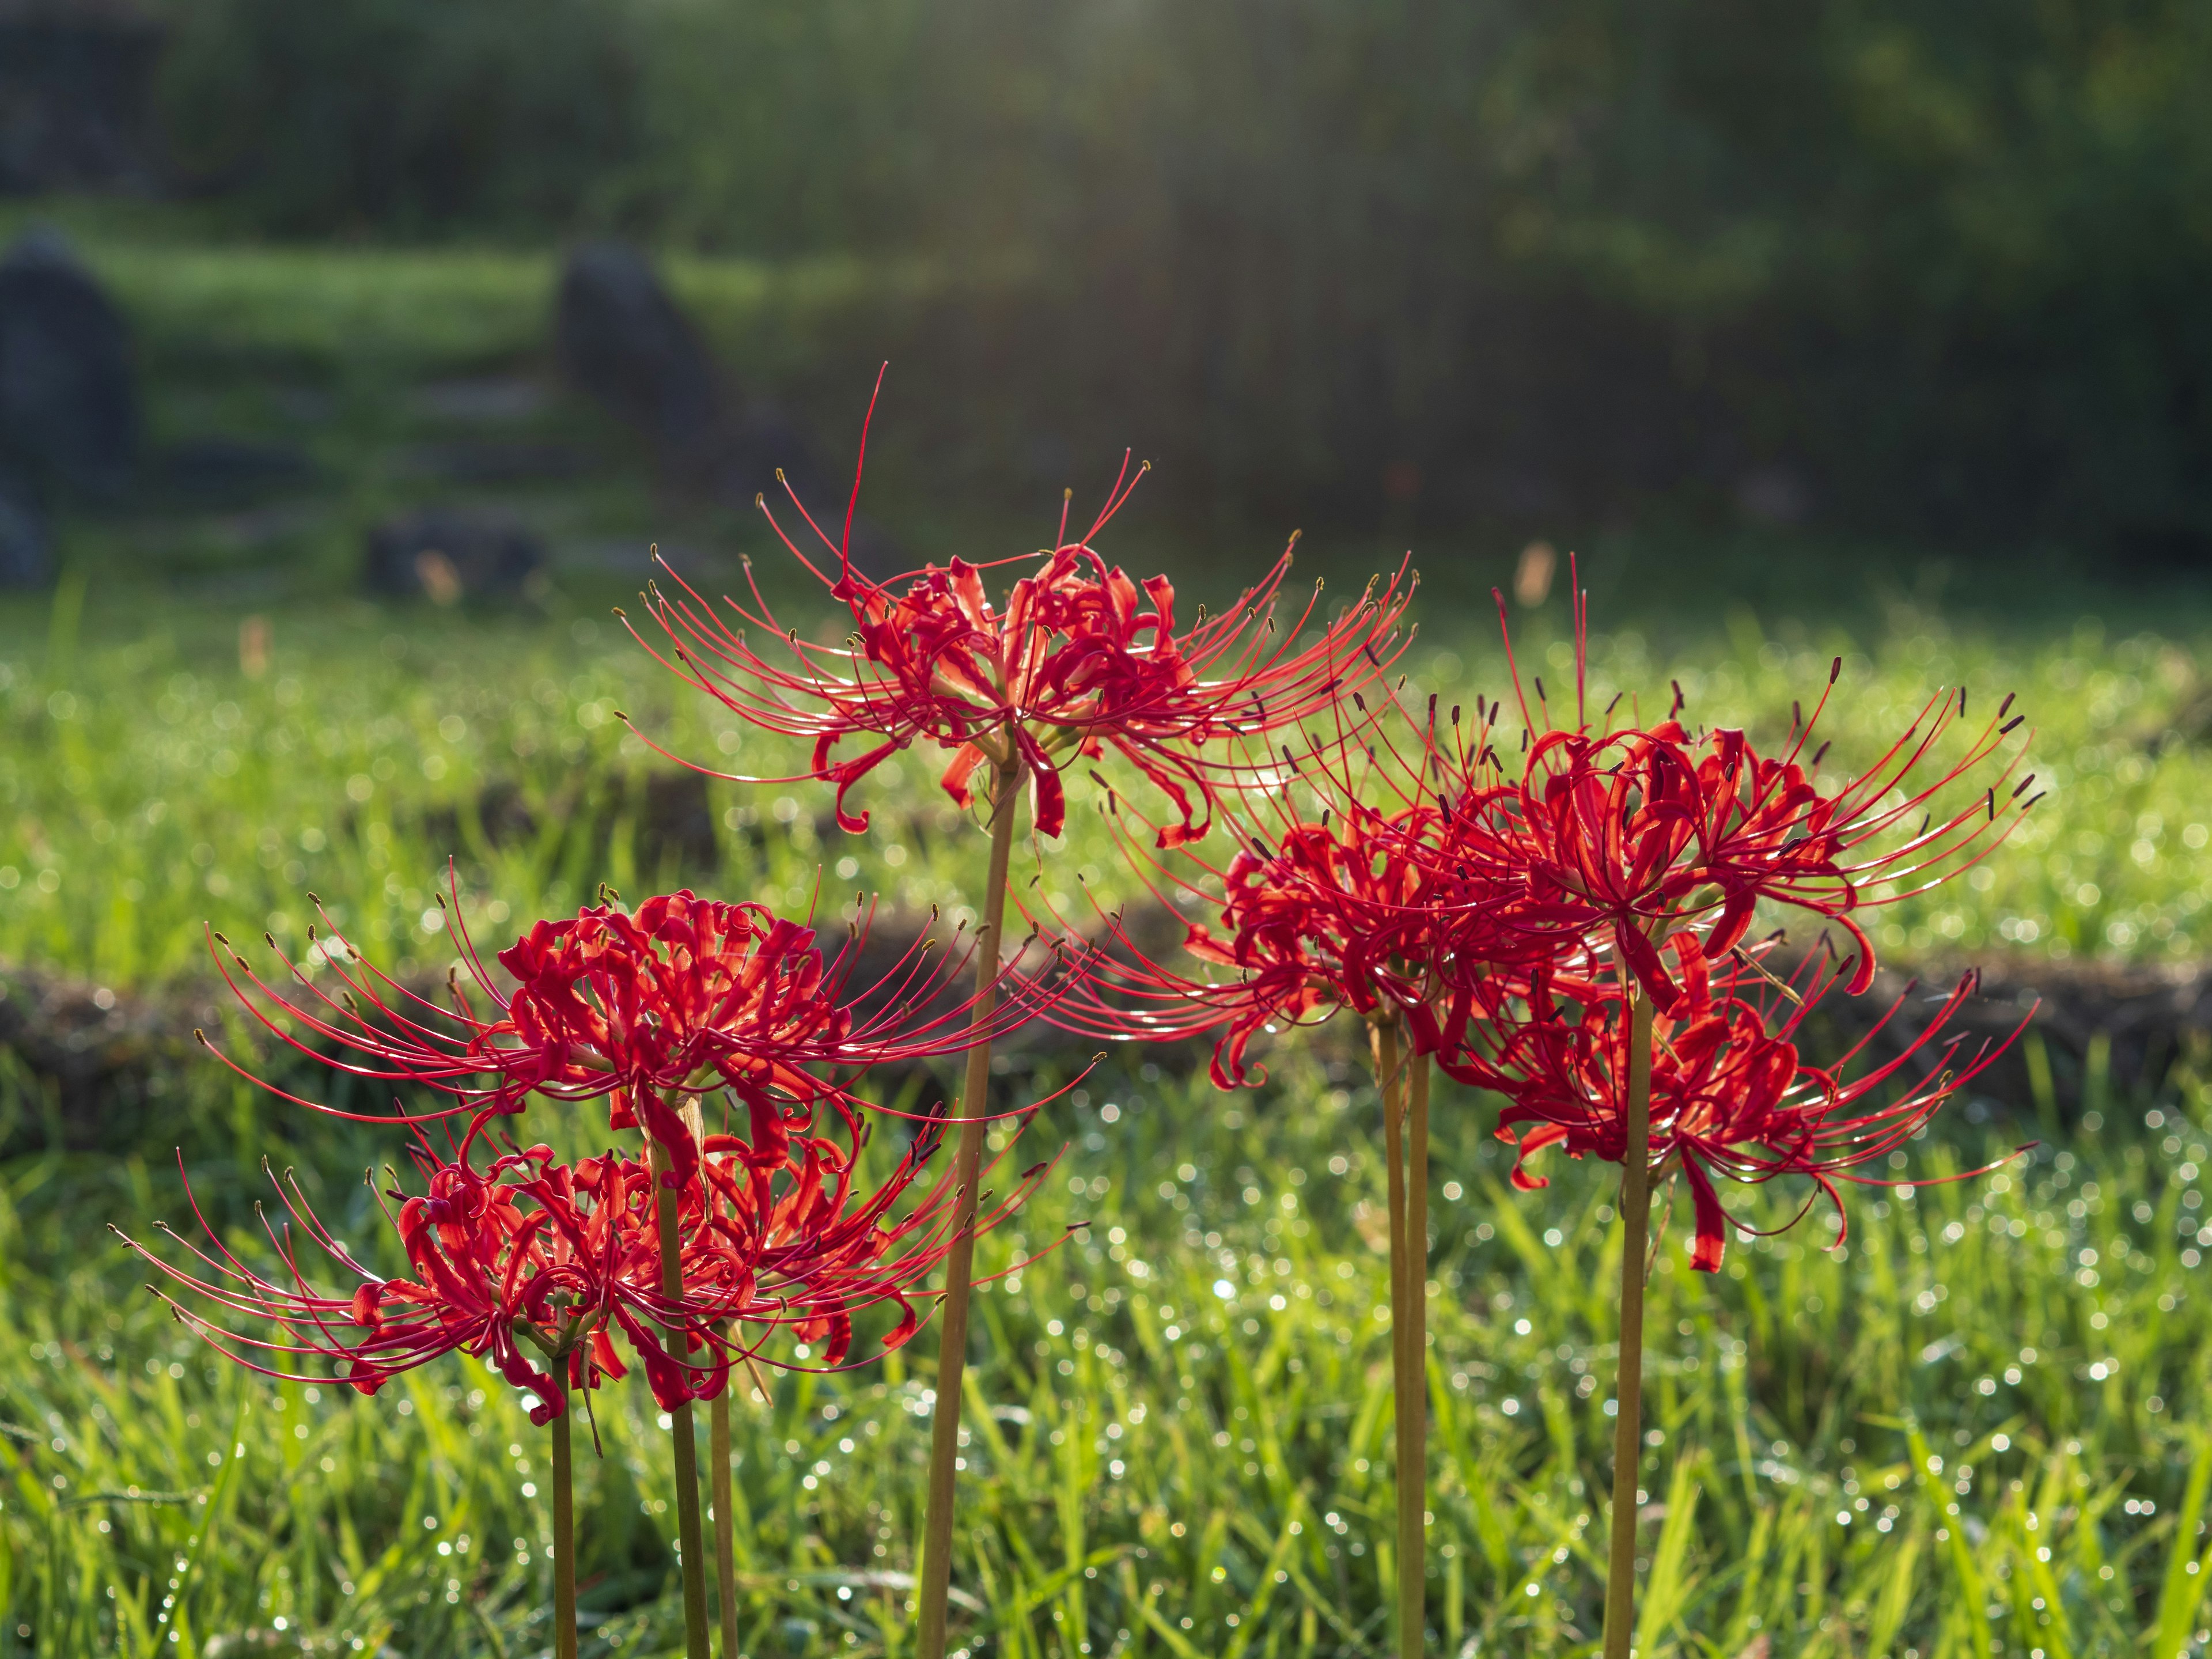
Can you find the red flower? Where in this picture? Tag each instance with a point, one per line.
(567, 1259)
(497, 1257)
(1078, 659)
(1616, 837)
(1730, 1094)
(798, 1241)
(1348, 913)
(683, 996)
(1328, 903)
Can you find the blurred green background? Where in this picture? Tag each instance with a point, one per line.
(1926, 268)
(1848, 329)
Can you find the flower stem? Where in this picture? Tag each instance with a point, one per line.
(726, 1514)
(1628, 1425)
(1408, 1284)
(1414, 1407)
(935, 1575)
(564, 1522)
(688, 1538)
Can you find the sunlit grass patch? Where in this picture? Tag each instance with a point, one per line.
(1978, 1422)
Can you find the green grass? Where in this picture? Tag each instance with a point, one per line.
(149, 786)
(1179, 1425)
(146, 784)
(198, 303)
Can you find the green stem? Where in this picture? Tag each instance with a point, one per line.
(935, 1573)
(1628, 1425)
(564, 1522)
(1414, 1405)
(1391, 1083)
(726, 1514)
(689, 1534)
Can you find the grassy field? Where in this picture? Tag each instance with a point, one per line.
(149, 782)
(150, 785)
(1981, 1430)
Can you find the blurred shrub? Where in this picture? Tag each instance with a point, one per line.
(782, 126)
(401, 115)
(1934, 265)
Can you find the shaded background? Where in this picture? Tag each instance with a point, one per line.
(1935, 270)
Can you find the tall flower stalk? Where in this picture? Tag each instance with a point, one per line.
(722, 1496)
(1714, 1086)
(1078, 662)
(935, 1577)
(1403, 1088)
(691, 1534)
(1333, 916)
(1628, 1391)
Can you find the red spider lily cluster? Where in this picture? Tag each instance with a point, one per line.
(682, 997)
(1559, 911)
(1569, 933)
(779, 1234)
(1398, 870)
(682, 1001)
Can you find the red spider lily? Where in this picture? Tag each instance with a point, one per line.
(1609, 838)
(1329, 902)
(497, 1255)
(1614, 837)
(1730, 1094)
(1332, 916)
(1621, 835)
(567, 1258)
(793, 1241)
(682, 996)
(1079, 659)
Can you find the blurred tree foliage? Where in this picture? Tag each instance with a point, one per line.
(1936, 266)
(406, 116)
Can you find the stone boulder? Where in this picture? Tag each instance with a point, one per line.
(448, 554)
(27, 557)
(69, 397)
(622, 341)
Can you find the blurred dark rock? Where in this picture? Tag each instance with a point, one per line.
(68, 398)
(448, 554)
(26, 558)
(622, 341)
(219, 472)
(74, 79)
